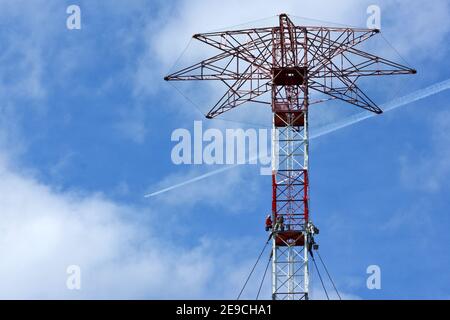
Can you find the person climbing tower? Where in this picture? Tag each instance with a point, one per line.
(268, 223)
(279, 225)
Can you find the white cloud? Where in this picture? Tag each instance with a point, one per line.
(22, 60)
(166, 37)
(132, 125)
(429, 169)
(43, 232)
(417, 28)
(185, 18)
(191, 17)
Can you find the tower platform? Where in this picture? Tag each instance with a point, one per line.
(289, 238)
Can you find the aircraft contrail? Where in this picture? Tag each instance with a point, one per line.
(203, 176)
(389, 106)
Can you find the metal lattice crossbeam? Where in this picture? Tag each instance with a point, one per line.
(247, 62)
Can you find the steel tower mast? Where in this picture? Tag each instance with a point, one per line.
(279, 66)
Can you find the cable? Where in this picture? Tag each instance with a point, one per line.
(393, 48)
(320, 277)
(329, 276)
(325, 21)
(253, 269)
(180, 56)
(196, 106)
(188, 99)
(264, 276)
(243, 122)
(241, 24)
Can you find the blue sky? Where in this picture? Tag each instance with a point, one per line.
(85, 126)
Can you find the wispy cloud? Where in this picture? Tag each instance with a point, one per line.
(120, 255)
(429, 169)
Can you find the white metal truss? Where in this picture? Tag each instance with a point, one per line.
(290, 274)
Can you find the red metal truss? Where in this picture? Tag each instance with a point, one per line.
(246, 65)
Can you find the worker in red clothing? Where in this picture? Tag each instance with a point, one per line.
(268, 223)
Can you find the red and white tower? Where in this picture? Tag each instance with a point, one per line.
(280, 66)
